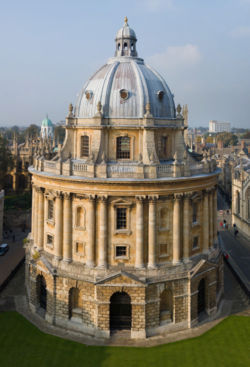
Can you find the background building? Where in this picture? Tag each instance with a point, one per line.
(124, 227)
(218, 127)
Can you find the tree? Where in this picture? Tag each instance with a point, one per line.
(6, 160)
(246, 135)
(32, 131)
(59, 133)
(227, 139)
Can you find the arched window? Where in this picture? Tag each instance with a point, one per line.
(125, 46)
(123, 147)
(164, 218)
(74, 300)
(41, 292)
(132, 46)
(237, 202)
(166, 306)
(84, 146)
(80, 217)
(118, 46)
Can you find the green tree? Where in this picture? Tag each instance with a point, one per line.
(6, 160)
(59, 133)
(246, 135)
(227, 139)
(32, 131)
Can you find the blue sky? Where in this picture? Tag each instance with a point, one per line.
(50, 48)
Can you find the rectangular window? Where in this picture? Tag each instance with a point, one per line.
(50, 209)
(195, 243)
(85, 146)
(120, 251)
(121, 218)
(123, 147)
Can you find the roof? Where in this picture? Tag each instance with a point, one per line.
(47, 122)
(124, 85)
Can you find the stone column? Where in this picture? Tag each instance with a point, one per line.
(215, 214)
(36, 203)
(186, 226)
(91, 232)
(67, 227)
(152, 232)
(211, 218)
(40, 222)
(102, 258)
(33, 211)
(139, 233)
(205, 222)
(58, 225)
(176, 229)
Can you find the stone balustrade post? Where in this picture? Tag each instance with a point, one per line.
(91, 232)
(139, 263)
(58, 225)
(102, 258)
(152, 232)
(67, 227)
(177, 229)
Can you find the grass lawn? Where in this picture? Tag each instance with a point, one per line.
(23, 345)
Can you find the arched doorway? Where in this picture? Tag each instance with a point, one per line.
(73, 301)
(120, 311)
(201, 307)
(166, 306)
(8, 182)
(21, 182)
(41, 292)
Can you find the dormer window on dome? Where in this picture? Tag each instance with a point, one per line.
(126, 41)
(124, 94)
(160, 95)
(89, 94)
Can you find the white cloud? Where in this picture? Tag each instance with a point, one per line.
(241, 32)
(157, 5)
(176, 58)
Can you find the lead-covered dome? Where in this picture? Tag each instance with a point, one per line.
(125, 85)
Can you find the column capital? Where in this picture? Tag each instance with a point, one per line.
(187, 195)
(102, 198)
(67, 195)
(91, 197)
(140, 198)
(178, 197)
(58, 194)
(39, 190)
(153, 198)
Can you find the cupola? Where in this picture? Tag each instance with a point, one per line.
(126, 41)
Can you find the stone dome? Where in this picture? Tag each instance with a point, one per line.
(125, 85)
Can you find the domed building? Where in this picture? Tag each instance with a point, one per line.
(124, 232)
(47, 129)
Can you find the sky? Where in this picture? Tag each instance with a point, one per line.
(50, 48)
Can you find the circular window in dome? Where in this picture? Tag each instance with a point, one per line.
(88, 94)
(160, 94)
(124, 94)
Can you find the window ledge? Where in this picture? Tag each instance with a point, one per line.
(79, 228)
(51, 222)
(195, 224)
(123, 231)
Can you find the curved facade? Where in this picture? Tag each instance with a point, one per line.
(124, 219)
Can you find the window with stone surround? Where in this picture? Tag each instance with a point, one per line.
(50, 210)
(84, 146)
(164, 218)
(80, 218)
(120, 251)
(123, 147)
(121, 218)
